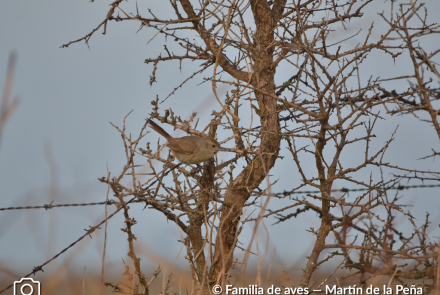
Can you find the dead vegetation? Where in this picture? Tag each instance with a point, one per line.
(323, 110)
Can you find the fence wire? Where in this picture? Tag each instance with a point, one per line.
(343, 190)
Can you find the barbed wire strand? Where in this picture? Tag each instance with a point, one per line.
(88, 231)
(50, 206)
(112, 202)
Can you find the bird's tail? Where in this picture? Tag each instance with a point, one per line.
(159, 129)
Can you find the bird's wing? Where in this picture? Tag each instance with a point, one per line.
(187, 145)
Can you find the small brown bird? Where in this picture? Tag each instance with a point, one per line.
(189, 149)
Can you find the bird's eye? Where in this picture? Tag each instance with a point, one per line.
(213, 146)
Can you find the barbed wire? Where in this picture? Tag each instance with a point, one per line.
(50, 206)
(88, 233)
(112, 202)
(134, 200)
(346, 190)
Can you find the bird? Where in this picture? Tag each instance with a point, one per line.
(188, 149)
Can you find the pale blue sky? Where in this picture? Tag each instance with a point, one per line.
(67, 98)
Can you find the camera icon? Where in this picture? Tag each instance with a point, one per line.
(26, 286)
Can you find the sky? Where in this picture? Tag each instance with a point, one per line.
(59, 140)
